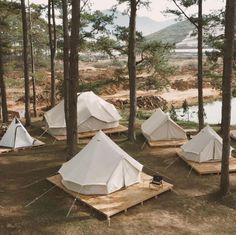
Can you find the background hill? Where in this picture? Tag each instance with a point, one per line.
(145, 24)
(177, 33)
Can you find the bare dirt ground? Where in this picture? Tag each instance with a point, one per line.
(182, 85)
(172, 96)
(190, 209)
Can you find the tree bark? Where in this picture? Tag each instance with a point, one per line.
(26, 67)
(52, 45)
(73, 78)
(3, 87)
(32, 62)
(227, 93)
(132, 70)
(66, 59)
(200, 69)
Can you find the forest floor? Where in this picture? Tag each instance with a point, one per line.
(191, 208)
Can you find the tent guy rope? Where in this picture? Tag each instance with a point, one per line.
(68, 213)
(40, 196)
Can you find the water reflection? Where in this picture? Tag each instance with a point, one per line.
(212, 111)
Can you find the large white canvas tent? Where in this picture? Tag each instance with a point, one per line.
(161, 127)
(205, 146)
(93, 113)
(101, 167)
(16, 136)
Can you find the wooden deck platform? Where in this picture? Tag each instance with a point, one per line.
(90, 134)
(37, 143)
(205, 168)
(119, 201)
(167, 143)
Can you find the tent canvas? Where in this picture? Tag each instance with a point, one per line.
(233, 134)
(93, 113)
(161, 127)
(101, 167)
(205, 146)
(16, 136)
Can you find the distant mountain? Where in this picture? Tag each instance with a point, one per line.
(179, 33)
(144, 24)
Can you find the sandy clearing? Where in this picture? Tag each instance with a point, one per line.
(169, 95)
(176, 95)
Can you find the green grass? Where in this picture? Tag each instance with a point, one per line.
(187, 124)
(14, 83)
(95, 86)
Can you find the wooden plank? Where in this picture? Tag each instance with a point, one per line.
(211, 167)
(37, 143)
(167, 143)
(90, 134)
(118, 129)
(118, 201)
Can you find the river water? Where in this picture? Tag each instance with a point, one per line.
(212, 111)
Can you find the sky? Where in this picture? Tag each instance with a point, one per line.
(156, 8)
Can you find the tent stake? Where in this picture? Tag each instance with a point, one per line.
(109, 221)
(190, 172)
(143, 145)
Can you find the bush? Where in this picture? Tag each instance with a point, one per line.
(173, 114)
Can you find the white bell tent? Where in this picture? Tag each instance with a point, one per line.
(101, 167)
(93, 113)
(161, 127)
(16, 136)
(205, 146)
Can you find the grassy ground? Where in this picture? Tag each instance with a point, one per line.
(191, 208)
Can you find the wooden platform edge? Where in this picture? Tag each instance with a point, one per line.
(196, 166)
(37, 143)
(89, 134)
(166, 187)
(166, 143)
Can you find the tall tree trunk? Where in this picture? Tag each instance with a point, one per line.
(26, 67)
(52, 45)
(32, 62)
(200, 69)
(226, 93)
(132, 70)
(3, 88)
(65, 58)
(73, 78)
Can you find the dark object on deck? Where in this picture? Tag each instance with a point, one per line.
(157, 180)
